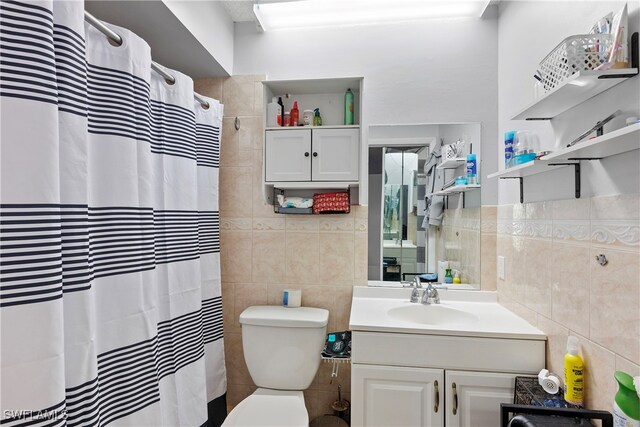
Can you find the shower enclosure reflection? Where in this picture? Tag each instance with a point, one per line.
(400, 212)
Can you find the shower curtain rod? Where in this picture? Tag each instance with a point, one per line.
(113, 36)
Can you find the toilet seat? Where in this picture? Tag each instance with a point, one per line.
(266, 407)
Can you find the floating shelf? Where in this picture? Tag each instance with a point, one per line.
(616, 142)
(612, 143)
(456, 189)
(452, 163)
(578, 88)
(525, 169)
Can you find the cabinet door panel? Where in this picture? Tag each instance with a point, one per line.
(396, 396)
(336, 154)
(288, 155)
(476, 397)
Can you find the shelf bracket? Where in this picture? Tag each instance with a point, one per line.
(521, 185)
(576, 175)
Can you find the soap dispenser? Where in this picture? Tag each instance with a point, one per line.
(317, 120)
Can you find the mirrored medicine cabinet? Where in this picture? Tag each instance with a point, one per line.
(420, 220)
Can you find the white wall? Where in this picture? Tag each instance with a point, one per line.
(416, 72)
(528, 30)
(210, 24)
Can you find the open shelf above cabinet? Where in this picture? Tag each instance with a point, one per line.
(578, 88)
(312, 127)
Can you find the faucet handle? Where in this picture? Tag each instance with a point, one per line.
(430, 295)
(415, 295)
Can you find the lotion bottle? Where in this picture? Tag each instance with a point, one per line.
(573, 373)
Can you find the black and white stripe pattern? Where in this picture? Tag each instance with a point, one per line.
(28, 68)
(71, 70)
(208, 145)
(128, 377)
(48, 249)
(118, 104)
(173, 130)
(212, 319)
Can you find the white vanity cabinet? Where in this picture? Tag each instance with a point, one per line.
(323, 155)
(436, 380)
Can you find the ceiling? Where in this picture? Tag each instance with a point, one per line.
(239, 10)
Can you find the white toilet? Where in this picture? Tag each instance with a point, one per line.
(282, 349)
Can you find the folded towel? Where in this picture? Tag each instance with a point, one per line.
(294, 202)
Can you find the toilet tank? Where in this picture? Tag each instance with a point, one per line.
(282, 345)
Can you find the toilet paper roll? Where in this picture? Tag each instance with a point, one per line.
(292, 298)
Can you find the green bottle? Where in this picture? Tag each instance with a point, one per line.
(448, 277)
(626, 406)
(317, 120)
(348, 107)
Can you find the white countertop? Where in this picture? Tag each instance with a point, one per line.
(370, 307)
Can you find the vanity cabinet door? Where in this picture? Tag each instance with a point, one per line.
(288, 155)
(474, 398)
(396, 396)
(336, 154)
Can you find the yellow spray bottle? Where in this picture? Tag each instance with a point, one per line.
(573, 373)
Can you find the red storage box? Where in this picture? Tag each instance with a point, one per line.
(331, 202)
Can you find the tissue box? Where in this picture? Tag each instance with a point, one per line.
(331, 202)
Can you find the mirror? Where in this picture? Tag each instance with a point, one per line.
(420, 221)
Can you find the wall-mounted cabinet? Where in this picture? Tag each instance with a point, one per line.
(304, 160)
(312, 155)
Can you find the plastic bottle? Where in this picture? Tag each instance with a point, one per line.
(456, 278)
(294, 115)
(448, 277)
(281, 104)
(348, 107)
(471, 169)
(273, 111)
(573, 373)
(317, 120)
(509, 139)
(626, 405)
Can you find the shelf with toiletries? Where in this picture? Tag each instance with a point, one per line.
(580, 87)
(616, 142)
(610, 144)
(302, 201)
(289, 128)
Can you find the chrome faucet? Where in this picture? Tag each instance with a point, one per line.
(430, 295)
(415, 293)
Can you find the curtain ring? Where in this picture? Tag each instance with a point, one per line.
(236, 123)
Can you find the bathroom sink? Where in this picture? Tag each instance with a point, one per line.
(434, 314)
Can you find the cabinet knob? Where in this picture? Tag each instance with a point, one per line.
(315, 154)
(306, 154)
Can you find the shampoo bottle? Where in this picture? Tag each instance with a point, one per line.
(317, 120)
(626, 405)
(281, 104)
(294, 115)
(472, 177)
(573, 373)
(348, 107)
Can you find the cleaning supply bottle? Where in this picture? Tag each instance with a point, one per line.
(294, 115)
(626, 405)
(573, 373)
(348, 107)
(273, 111)
(317, 120)
(472, 177)
(281, 104)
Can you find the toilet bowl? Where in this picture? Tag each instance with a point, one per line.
(282, 350)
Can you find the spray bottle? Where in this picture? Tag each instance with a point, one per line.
(348, 107)
(573, 373)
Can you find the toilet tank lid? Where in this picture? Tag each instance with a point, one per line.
(273, 315)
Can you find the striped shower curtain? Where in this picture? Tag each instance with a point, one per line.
(110, 304)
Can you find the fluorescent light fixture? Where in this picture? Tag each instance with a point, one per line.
(331, 13)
